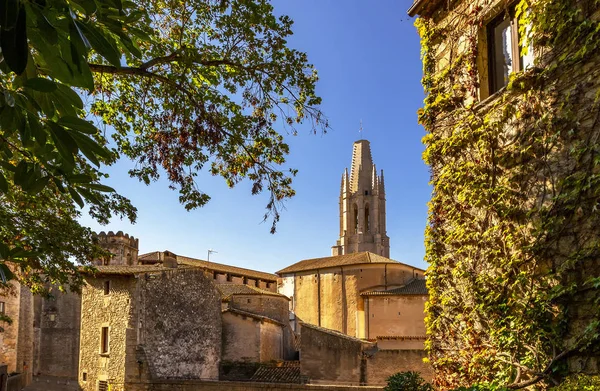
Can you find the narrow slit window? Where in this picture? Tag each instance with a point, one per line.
(104, 341)
(107, 287)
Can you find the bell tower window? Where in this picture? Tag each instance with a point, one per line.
(367, 221)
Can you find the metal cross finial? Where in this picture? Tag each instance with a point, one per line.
(360, 130)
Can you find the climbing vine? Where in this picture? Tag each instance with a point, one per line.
(513, 239)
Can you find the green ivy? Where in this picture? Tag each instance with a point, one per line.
(513, 239)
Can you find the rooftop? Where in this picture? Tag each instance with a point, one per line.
(252, 315)
(414, 287)
(130, 270)
(333, 332)
(340, 260)
(283, 372)
(237, 289)
(218, 267)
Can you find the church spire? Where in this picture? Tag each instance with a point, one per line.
(362, 206)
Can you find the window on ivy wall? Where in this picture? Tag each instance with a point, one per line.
(506, 54)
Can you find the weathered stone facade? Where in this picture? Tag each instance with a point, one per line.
(56, 326)
(327, 292)
(17, 339)
(162, 323)
(327, 356)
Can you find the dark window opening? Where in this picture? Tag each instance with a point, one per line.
(367, 221)
(256, 283)
(229, 277)
(245, 280)
(84, 376)
(355, 215)
(366, 192)
(106, 287)
(104, 340)
(102, 385)
(248, 301)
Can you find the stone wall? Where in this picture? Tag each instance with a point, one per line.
(26, 335)
(251, 340)
(271, 342)
(114, 311)
(59, 326)
(385, 363)
(327, 356)
(10, 336)
(331, 298)
(180, 314)
(274, 307)
(241, 339)
(396, 315)
(190, 385)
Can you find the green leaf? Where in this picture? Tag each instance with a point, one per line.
(78, 124)
(35, 129)
(90, 148)
(14, 42)
(76, 197)
(99, 187)
(4, 251)
(38, 185)
(20, 178)
(40, 84)
(66, 146)
(68, 96)
(80, 178)
(101, 43)
(3, 183)
(9, 12)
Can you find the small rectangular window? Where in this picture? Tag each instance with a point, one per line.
(505, 54)
(104, 341)
(84, 376)
(106, 287)
(2, 307)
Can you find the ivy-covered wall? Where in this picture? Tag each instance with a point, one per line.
(513, 239)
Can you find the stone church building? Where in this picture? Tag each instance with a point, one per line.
(143, 319)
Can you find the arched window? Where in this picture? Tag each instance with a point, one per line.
(367, 221)
(355, 215)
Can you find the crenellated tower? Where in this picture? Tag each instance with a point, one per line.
(123, 247)
(362, 207)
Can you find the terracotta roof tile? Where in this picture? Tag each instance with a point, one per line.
(285, 372)
(238, 289)
(236, 311)
(338, 260)
(332, 332)
(218, 267)
(414, 287)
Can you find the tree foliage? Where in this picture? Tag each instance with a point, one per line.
(177, 86)
(513, 237)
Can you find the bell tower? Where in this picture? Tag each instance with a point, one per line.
(362, 207)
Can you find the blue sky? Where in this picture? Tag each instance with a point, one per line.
(367, 55)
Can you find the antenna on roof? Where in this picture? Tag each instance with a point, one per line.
(210, 251)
